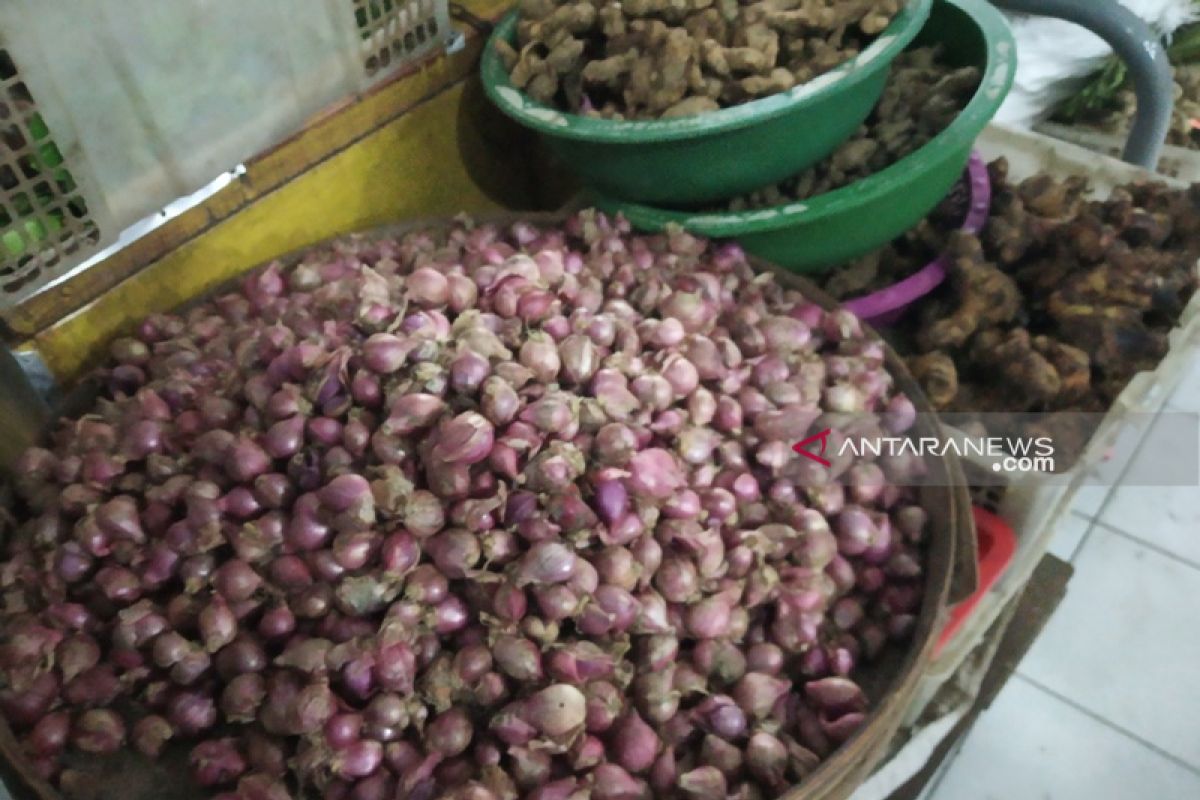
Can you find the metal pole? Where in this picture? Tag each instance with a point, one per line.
(1143, 54)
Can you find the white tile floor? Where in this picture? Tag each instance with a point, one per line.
(1106, 705)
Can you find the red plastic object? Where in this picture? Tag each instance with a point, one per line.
(997, 544)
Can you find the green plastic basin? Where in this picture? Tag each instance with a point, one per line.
(691, 161)
(820, 232)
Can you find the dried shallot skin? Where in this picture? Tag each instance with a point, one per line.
(483, 510)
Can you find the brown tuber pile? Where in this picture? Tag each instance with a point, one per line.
(658, 59)
(480, 513)
(1059, 302)
(922, 97)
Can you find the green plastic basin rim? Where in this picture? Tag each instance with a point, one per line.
(521, 107)
(994, 84)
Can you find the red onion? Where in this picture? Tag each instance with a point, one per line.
(717, 752)
(345, 492)
(611, 782)
(604, 703)
(900, 627)
(836, 694)
(384, 353)
(655, 473)
(218, 625)
(97, 686)
(150, 735)
(276, 623)
(677, 580)
(509, 603)
(342, 730)
(290, 572)
(118, 584)
(77, 654)
(612, 500)
(449, 733)
(702, 783)
(49, 736)
(98, 731)
(216, 762)
(307, 509)
(119, 519)
(454, 552)
(709, 618)
(518, 658)
(509, 727)
(546, 563)
(765, 657)
(767, 759)
(756, 693)
(28, 705)
(664, 772)
(261, 787)
(242, 656)
(612, 609)
(191, 712)
(413, 412)
(272, 490)
(556, 790)
(245, 460)
(722, 716)
(242, 697)
(72, 563)
(236, 580)
(656, 696)
(842, 728)
(557, 710)
(354, 549)
(634, 745)
(358, 760)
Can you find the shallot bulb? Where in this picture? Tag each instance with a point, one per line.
(482, 513)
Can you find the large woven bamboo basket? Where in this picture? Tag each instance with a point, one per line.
(890, 683)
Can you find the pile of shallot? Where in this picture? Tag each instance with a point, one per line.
(484, 512)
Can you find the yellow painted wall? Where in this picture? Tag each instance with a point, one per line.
(409, 168)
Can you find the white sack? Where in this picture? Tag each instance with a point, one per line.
(1055, 57)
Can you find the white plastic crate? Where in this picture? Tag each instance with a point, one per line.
(1175, 162)
(1032, 505)
(111, 109)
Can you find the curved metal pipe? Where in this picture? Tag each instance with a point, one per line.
(1139, 47)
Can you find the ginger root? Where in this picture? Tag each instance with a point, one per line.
(1072, 365)
(938, 377)
(921, 98)
(691, 56)
(1057, 306)
(1017, 373)
(690, 107)
(984, 297)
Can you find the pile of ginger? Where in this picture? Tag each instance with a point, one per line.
(1057, 304)
(923, 96)
(660, 59)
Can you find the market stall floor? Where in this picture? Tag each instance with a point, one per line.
(1104, 706)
